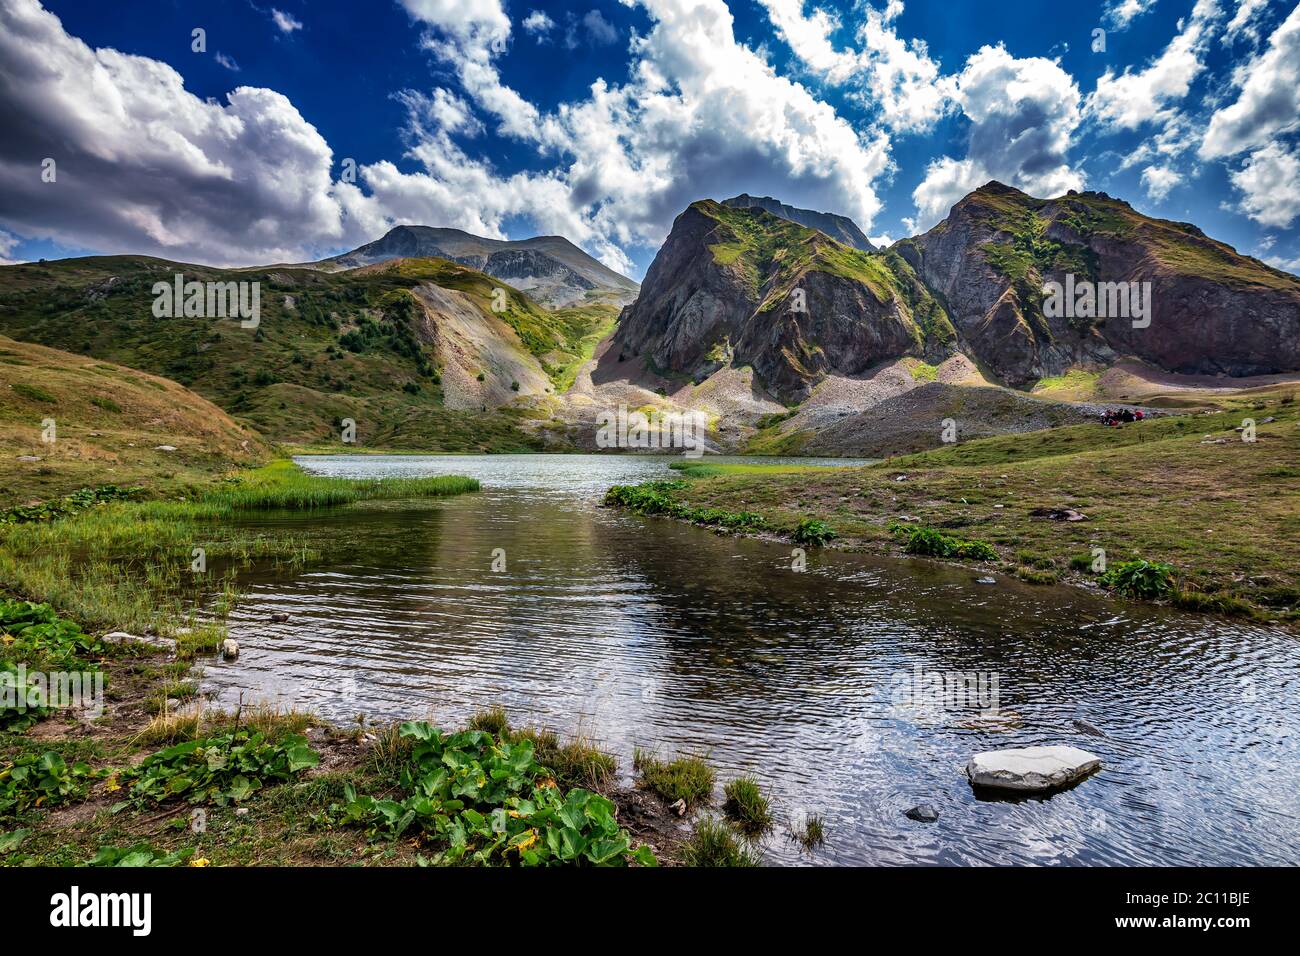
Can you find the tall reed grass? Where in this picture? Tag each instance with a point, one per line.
(127, 564)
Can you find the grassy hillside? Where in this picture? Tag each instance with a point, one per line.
(110, 422)
(353, 344)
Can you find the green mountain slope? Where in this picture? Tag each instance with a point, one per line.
(379, 344)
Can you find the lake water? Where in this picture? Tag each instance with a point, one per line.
(648, 632)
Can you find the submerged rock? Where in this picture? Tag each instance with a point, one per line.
(279, 617)
(1031, 769)
(923, 813)
(1083, 727)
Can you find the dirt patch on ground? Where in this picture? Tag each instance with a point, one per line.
(651, 821)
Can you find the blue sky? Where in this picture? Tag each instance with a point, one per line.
(601, 120)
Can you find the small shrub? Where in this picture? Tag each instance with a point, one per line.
(934, 543)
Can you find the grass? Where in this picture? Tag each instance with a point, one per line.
(584, 327)
(714, 844)
(686, 778)
(1076, 385)
(1157, 491)
(113, 426)
(746, 805)
(127, 564)
(284, 485)
(656, 498)
(812, 833)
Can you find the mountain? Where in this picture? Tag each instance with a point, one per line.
(841, 228)
(410, 349)
(551, 269)
(725, 287)
(1213, 311)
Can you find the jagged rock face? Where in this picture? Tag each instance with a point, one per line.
(844, 330)
(696, 311)
(1201, 326)
(720, 291)
(1211, 309)
(687, 303)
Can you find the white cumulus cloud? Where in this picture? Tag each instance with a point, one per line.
(1270, 186)
(1268, 101)
(1159, 180)
(1023, 114)
(143, 165)
(1129, 99)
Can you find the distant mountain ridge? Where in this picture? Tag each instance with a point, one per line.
(551, 269)
(735, 285)
(840, 228)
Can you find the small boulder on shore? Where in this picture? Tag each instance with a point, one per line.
(1031, 769)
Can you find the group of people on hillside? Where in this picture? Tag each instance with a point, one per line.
(1111, 418)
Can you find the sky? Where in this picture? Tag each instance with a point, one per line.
(241, 133)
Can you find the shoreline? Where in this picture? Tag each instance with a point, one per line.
(1044, 507)
(152, 709)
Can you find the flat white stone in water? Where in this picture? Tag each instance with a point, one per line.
(1031, 768)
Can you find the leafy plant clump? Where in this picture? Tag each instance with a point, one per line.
(1141, 579)
(746, 805)
(41, 780)
(813, 531)
(139, 855)
(483, 799)
(655, 498)
(223, 769)
(71, 504)
(934, 543)
(35, 636)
